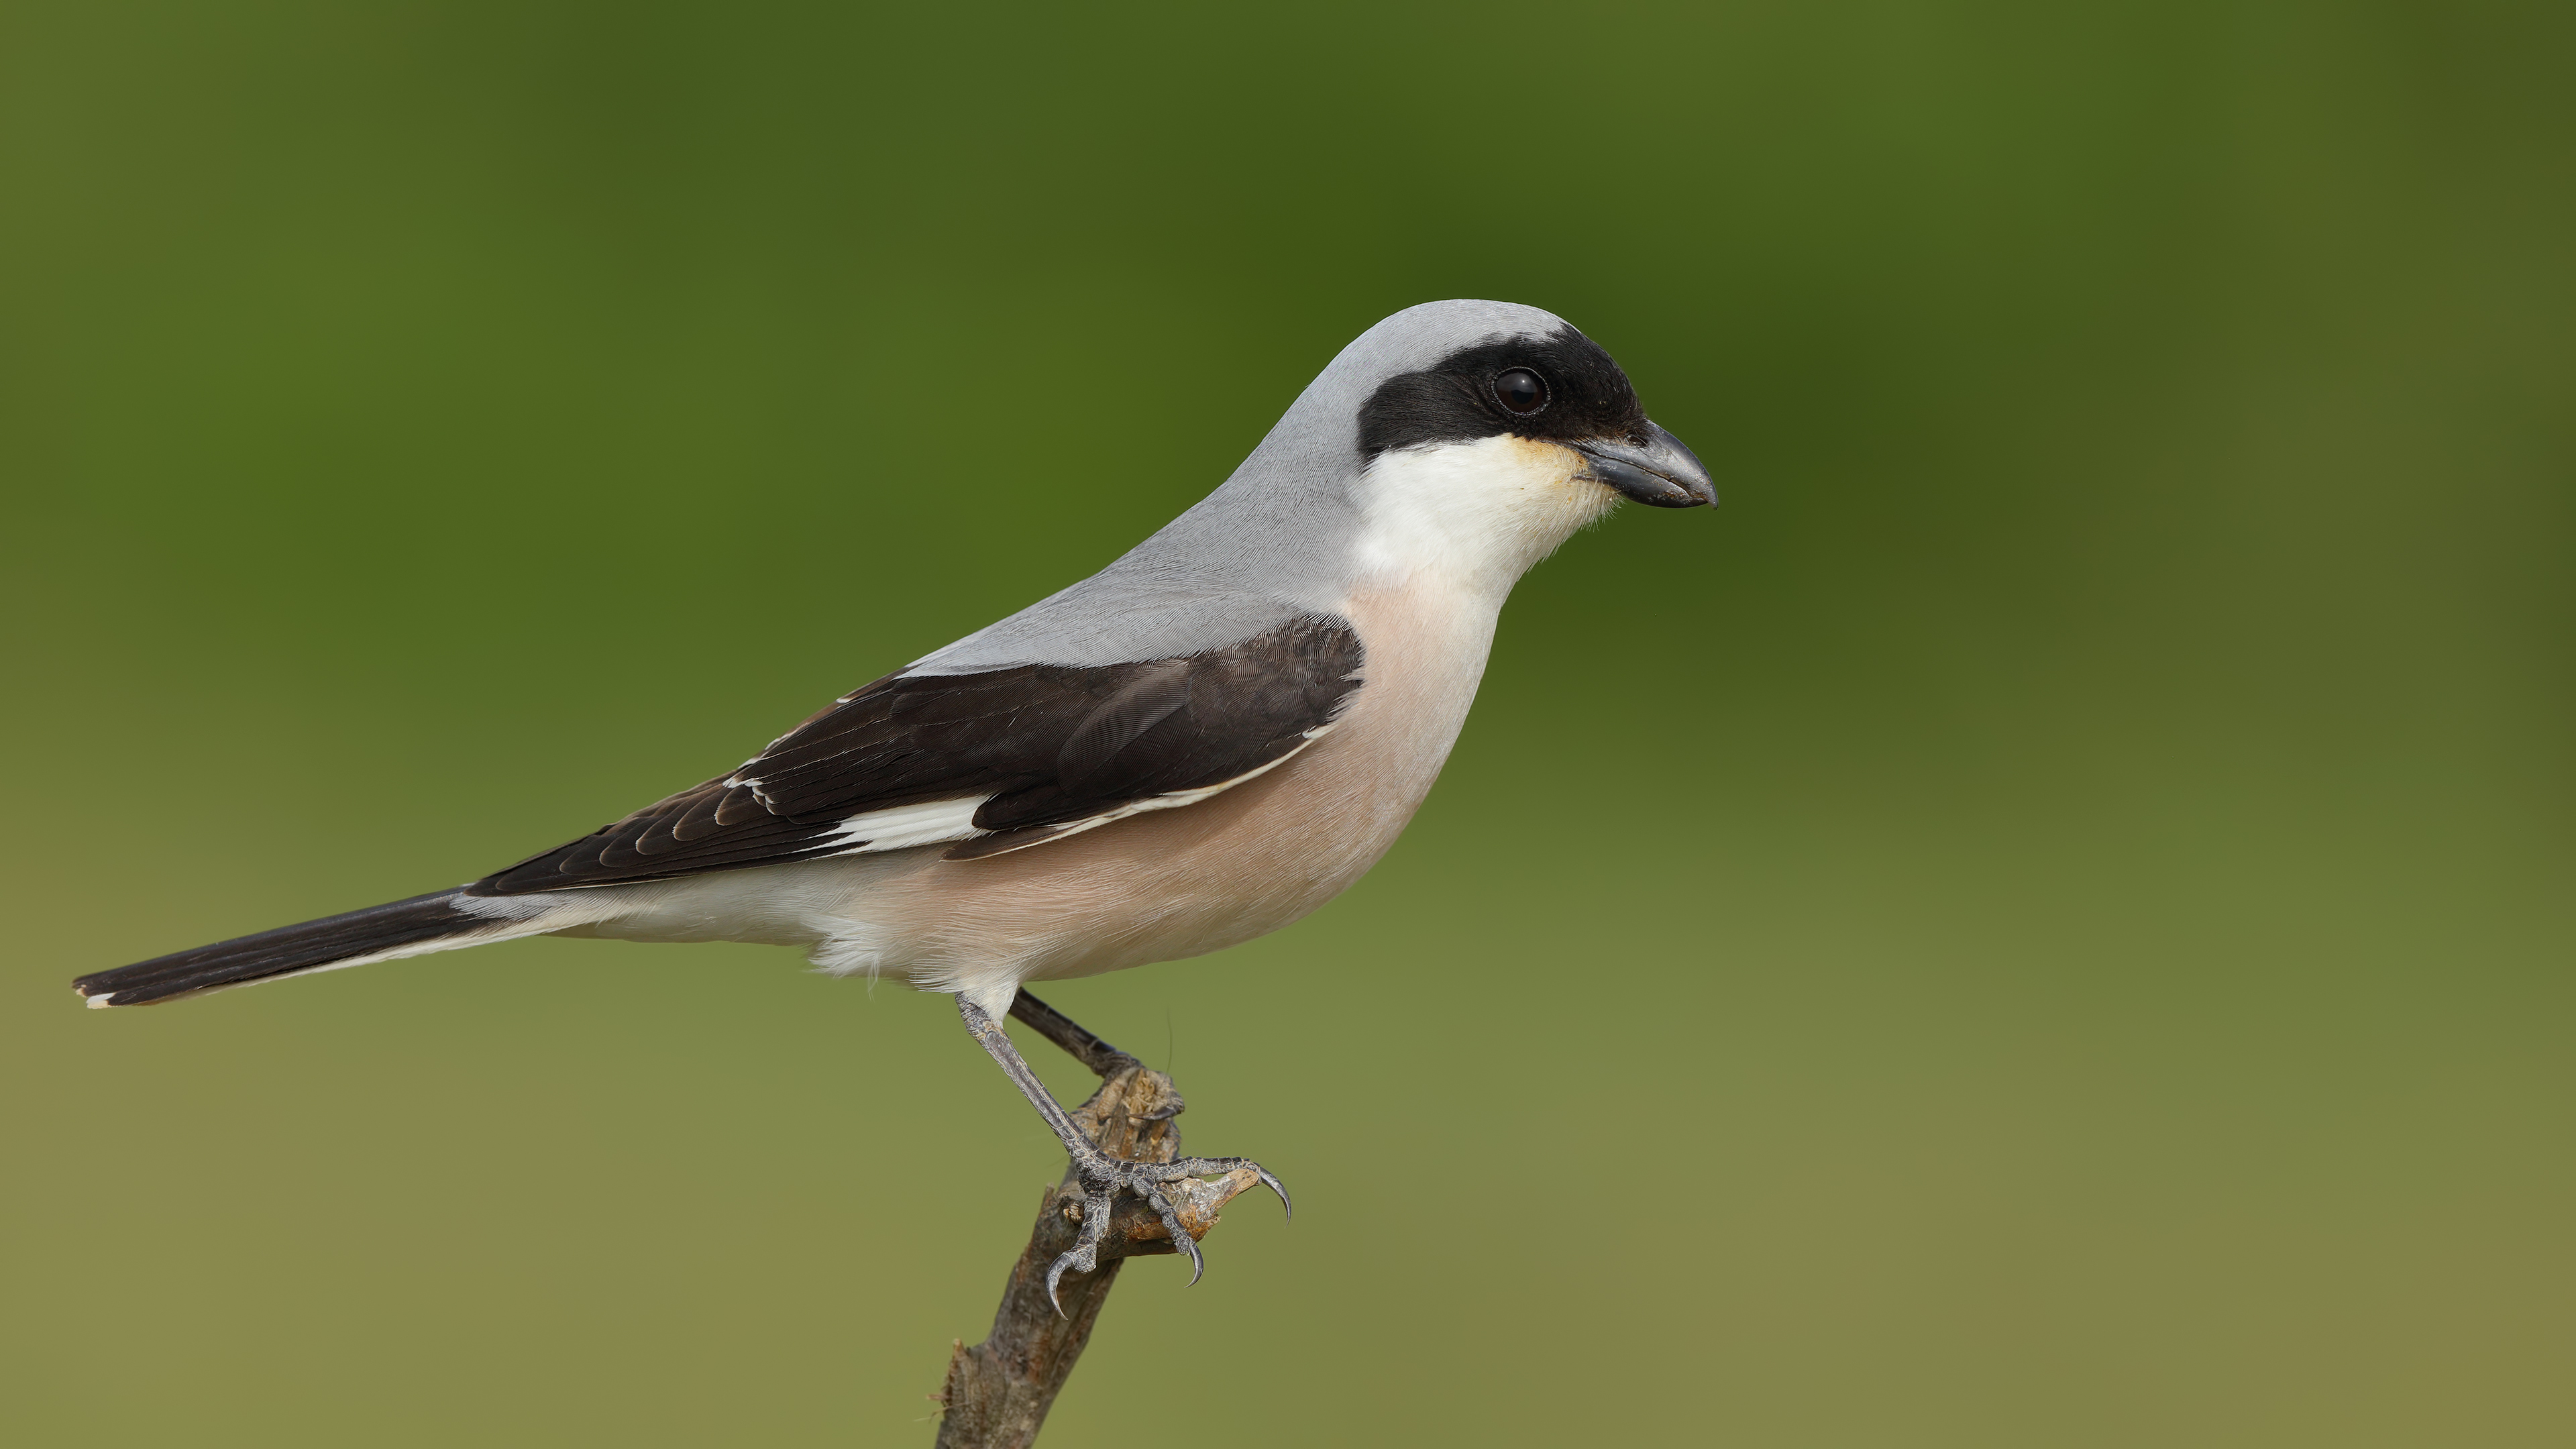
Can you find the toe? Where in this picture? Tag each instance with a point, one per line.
(1182, 1242)
(1055, 1274)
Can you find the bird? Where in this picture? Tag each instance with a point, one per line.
(1199, 744)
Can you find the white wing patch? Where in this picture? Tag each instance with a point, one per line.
(944, 822)
(904, 826)
(1173, 801)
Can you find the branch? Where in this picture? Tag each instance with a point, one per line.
(999, 1391)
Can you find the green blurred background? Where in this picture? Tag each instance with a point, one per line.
(2044, 920)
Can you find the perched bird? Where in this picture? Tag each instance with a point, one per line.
(1199, 744)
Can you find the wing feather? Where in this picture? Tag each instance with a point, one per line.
(992, 762)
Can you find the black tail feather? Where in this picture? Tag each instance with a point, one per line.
(307, 946)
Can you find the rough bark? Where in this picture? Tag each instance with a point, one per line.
(998, 1392)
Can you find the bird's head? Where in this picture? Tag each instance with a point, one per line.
(1544, 384)
(1489, 432)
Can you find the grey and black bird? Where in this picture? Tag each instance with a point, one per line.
(1201, 743)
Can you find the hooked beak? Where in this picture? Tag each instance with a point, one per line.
(1662, 474)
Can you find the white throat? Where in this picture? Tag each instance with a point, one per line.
(1473, 517)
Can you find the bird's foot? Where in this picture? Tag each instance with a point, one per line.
(1102, 1177)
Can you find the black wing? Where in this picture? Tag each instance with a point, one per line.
(993, 762)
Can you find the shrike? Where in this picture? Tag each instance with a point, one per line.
(1199, 744)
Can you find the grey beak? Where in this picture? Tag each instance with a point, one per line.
(1663, 474)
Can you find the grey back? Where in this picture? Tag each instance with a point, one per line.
(1272, 542)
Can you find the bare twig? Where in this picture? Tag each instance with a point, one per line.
(999, 1391)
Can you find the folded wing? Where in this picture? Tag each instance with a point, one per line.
(986, 763)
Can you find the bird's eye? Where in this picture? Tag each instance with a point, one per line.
(1520, 390)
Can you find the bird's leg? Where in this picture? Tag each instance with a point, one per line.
(1064, 1031)
(1100, 1175)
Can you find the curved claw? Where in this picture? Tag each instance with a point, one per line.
(1182, 1242)
(1055, 1273)
(1287, 1209)
(1085, 1253)
(1217, 1166)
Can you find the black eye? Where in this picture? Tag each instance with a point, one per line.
(1520, 390)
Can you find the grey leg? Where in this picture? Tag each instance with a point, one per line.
(1064, 1031)
(1100, 1175)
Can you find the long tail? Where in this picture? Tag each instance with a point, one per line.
(439, 921)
